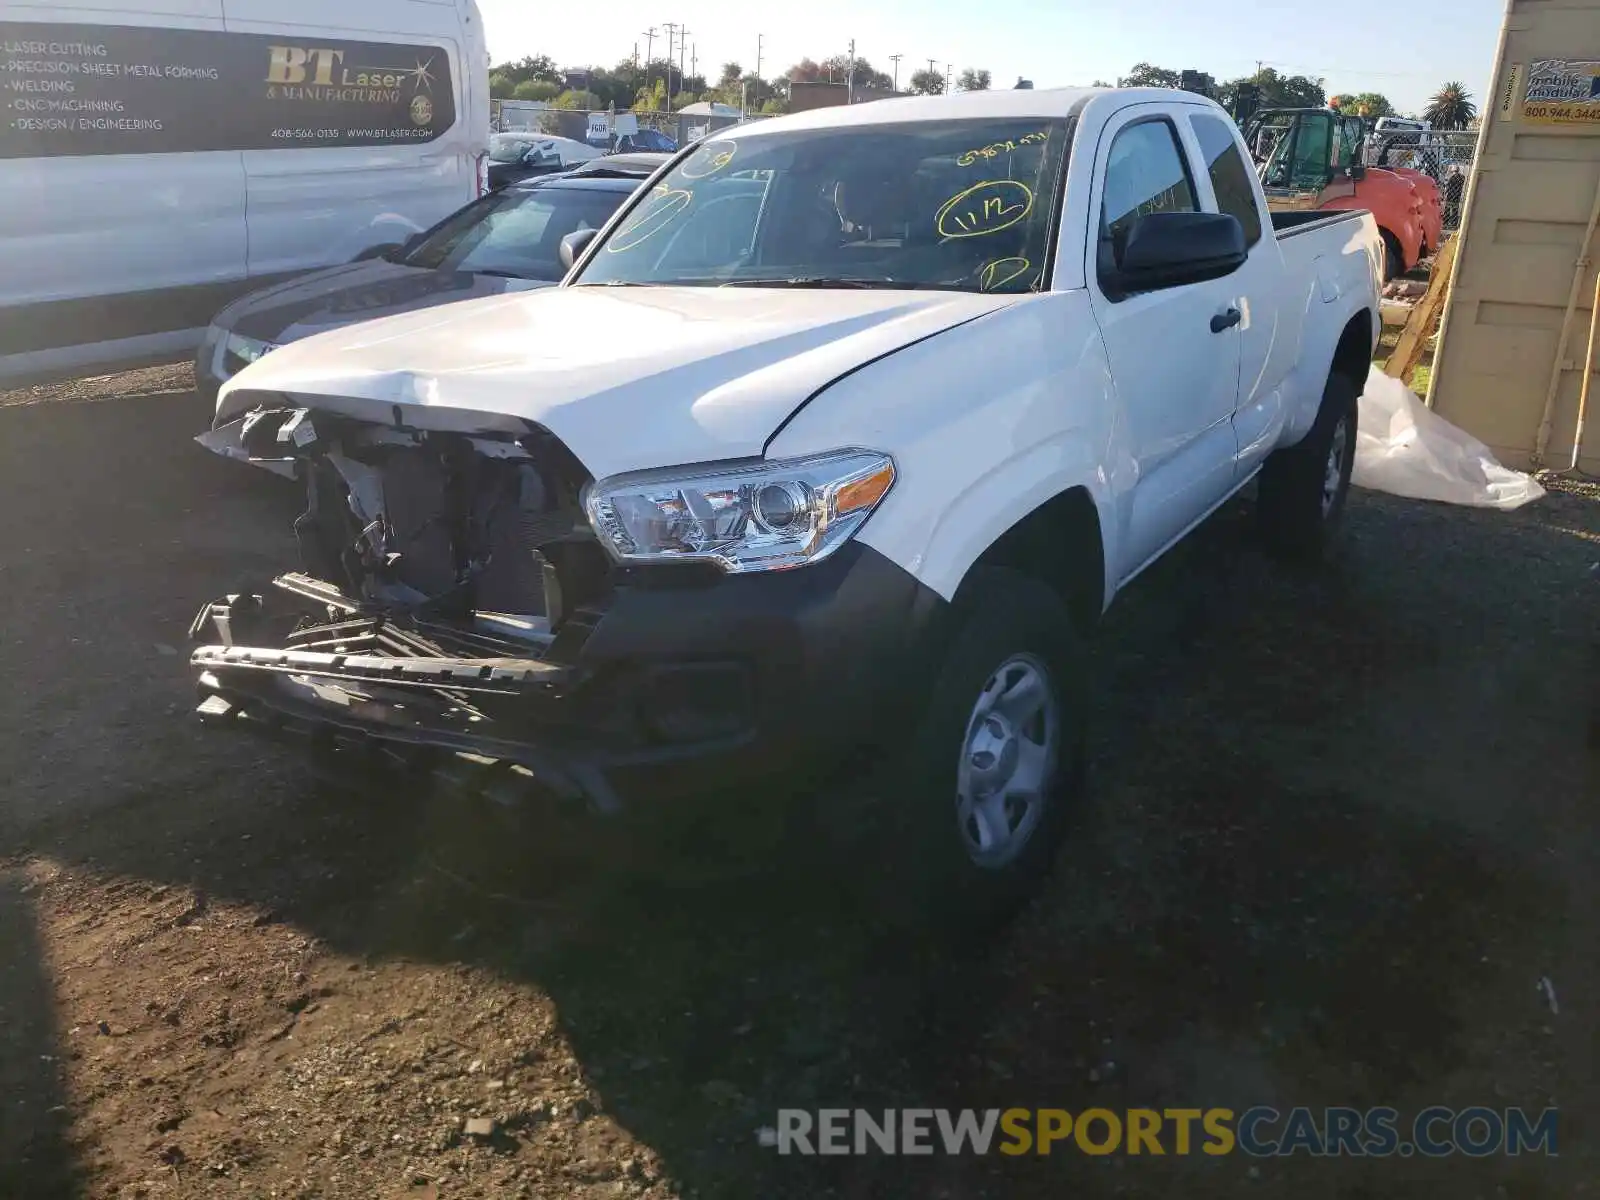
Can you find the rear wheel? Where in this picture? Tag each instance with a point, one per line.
(1303, 489)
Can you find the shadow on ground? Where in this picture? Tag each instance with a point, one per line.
(1338, 833)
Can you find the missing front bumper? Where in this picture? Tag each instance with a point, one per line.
(498, 698)
(434, 693)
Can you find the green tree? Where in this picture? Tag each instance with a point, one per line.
(536, 89)
(806, 71)
(535, 67)
(1277, 91)
(1149, 75)
(652, 98)
(927, 83)
(837, 69)
(732, 73)
(1365, 104)
(1451, 107)
(578, 99)
(974, 80)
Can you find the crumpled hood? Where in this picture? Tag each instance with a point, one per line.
(628, 378)
(337, 296)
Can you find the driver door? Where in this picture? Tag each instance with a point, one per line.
(1174, 352)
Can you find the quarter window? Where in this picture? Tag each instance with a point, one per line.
(1230, 178)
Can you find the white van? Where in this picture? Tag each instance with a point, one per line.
(160, 157)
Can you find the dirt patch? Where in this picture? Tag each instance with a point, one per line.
(162, 380)
(1341, 827)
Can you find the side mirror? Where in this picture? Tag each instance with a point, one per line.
(1166, 250)
(574, 244)
(389, 250)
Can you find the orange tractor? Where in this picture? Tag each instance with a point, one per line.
(1310, 159)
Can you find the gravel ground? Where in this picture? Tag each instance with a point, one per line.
(1341, 826)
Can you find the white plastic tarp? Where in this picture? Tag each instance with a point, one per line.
(1405, 448)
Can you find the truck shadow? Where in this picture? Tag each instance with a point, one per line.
(36, 1158)
(1308, 871)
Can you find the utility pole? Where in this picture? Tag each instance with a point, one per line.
(694, 59)
(683, 46)
(895, 59)
(758, 55)
(850, 76)
(671, 30)
(947, 78)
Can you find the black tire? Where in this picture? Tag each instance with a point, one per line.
(1299, 517)
(933, 884)
(1394, 259)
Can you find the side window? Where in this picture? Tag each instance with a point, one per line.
(1354, 136)
(1145, 174)
(1230, 178)
(1313, 153)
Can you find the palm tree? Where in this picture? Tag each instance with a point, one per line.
(1451, 107)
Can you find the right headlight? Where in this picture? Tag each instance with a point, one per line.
(765, 516)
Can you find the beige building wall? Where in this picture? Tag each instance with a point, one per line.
(1534, 196)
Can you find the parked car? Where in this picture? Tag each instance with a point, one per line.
(236, 149)
(509, 241)
(635, 165)
(831, 449)
(649, 140)
(523, 155)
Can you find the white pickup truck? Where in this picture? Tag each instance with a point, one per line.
(838, 437)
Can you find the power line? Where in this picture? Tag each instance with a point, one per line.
(1326, 71)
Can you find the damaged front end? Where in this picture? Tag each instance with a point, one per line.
(448, 583)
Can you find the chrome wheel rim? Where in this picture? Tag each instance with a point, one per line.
(1008, 762)
(1333, 473)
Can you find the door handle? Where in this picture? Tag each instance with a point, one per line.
(1226, 320)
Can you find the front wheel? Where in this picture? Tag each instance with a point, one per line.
(1304, 488)
(993, 775)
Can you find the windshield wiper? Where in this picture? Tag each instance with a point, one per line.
(497, 273)
(821, 281)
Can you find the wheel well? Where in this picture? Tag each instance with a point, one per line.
(1059, 544)
(1352, 357)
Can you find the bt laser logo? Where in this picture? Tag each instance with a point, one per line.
(318, 72)
(1260, 1132)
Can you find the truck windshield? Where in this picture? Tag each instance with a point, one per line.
(958, 205)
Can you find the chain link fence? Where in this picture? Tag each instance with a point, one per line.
(1447, 158)
(612, 131)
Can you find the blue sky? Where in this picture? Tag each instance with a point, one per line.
(1404, 50)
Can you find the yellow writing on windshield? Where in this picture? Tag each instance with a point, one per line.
(708, 160)
(995, 149)
(1001, 271)
(650, 218)
(984, 208)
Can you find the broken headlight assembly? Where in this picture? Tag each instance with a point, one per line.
(239, 351)
(764, 516)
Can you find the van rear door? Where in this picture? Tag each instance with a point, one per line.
(112, 230)
(374, 142)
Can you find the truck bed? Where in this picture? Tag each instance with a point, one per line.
(1289, 224)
